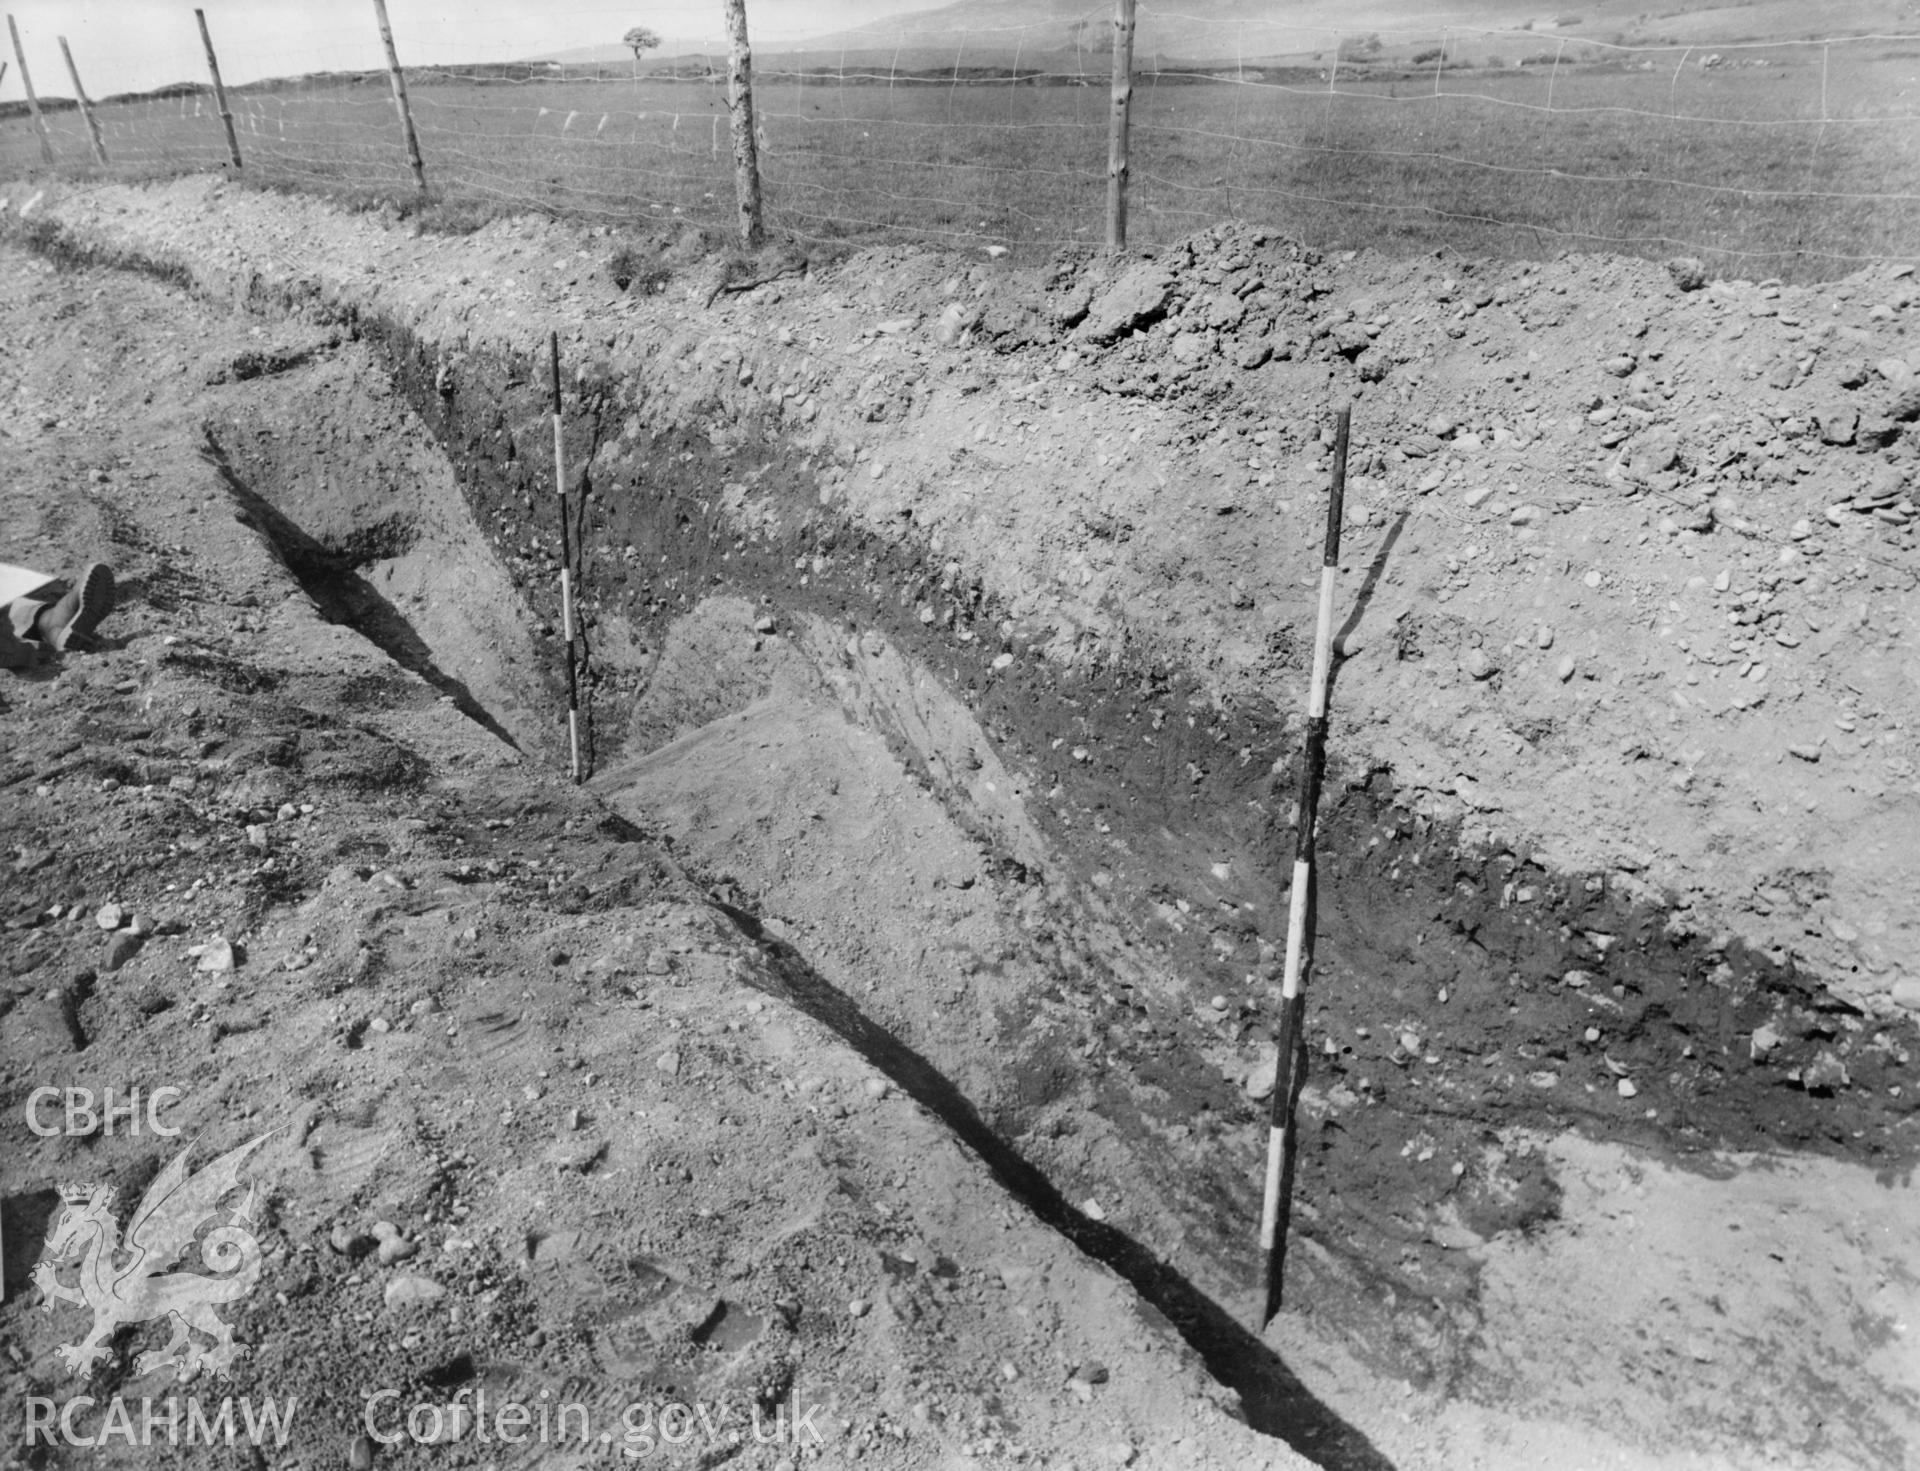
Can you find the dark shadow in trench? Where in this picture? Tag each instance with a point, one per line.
(1375, 570)
(1275, 1401)
(342, 594)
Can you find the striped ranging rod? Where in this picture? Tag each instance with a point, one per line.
(1290, 1068)
(566, 560)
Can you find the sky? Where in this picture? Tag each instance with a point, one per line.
(133, 45)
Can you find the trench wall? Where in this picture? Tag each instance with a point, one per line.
(1461, 996)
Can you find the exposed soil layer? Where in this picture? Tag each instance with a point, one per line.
(1107, 834)
(1181, 785)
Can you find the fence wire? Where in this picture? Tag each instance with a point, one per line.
(1773, 159)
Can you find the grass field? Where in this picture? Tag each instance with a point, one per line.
(1801, 166)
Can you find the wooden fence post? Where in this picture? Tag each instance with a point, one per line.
(33, 101)
(400, 96)
(746, 158)
(1117, 135)
(219, 89)
(86, 105)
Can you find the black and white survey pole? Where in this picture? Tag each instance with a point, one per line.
(566, 561)
(1290, 1065)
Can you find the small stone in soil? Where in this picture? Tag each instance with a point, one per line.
(1825, 1074)
(404, 1292)
(1261, 1078)
(120, 949)
(395, 1249)
(217, 955)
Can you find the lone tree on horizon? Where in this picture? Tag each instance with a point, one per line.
(639, 39)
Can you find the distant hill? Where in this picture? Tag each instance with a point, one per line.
(1075, 35)
(998, 32)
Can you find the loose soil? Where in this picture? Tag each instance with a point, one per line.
(898, 989)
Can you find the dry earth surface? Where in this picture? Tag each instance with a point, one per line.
(884, 1026)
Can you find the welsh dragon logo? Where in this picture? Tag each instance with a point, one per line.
(127, 1282)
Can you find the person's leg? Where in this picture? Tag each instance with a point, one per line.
(78, 610)
(17, 650)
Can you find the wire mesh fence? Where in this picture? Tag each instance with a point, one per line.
(1792, 159)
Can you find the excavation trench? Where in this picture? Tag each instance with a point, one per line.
(1050, 902)
(329, 575)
